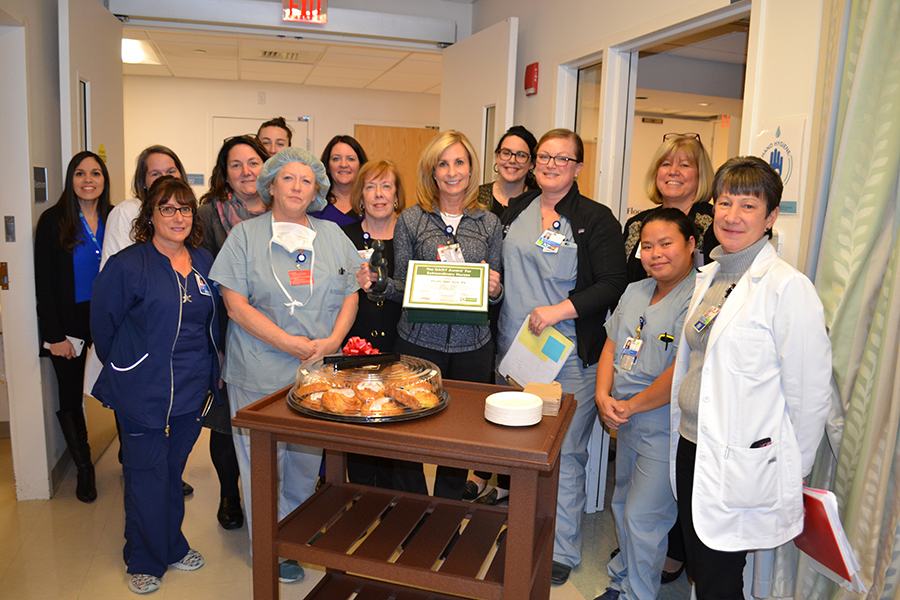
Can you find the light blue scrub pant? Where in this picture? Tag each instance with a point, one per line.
(571, 499)
(644, 510)
(298, 466)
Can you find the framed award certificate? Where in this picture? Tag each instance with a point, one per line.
(439, 292)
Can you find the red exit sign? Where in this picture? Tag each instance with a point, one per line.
(305, 11)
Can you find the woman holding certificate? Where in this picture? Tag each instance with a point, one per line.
(445, 225)
(569, 282)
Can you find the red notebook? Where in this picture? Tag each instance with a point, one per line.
(822, 533)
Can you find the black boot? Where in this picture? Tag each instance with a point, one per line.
(75, 431)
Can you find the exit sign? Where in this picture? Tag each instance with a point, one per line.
(305, 11)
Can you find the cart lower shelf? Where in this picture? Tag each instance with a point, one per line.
(414, 541)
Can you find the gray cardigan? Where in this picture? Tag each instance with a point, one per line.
(417, 236)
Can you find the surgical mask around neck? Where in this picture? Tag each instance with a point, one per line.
(292, 236)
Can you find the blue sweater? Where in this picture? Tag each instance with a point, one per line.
(135, 317)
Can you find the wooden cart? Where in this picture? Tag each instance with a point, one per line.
(415, 547)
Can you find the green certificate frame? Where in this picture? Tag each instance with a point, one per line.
(439, 292)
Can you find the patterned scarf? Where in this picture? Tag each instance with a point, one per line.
(233, 211)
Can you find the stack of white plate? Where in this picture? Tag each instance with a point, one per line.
(514, 409)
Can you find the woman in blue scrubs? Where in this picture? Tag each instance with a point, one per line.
(634, 380)
(571, 286)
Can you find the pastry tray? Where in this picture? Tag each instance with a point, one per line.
(404, 369)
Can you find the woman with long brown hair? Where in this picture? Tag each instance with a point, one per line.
(67, 250)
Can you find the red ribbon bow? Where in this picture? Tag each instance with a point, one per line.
(357, 347)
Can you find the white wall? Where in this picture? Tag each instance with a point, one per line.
(178, 113)
(781, 69)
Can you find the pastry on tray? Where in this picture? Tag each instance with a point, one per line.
(342, 401)
(381, 407)
(400, 389)
(414, 397)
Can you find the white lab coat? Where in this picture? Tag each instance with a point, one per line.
(766, 374)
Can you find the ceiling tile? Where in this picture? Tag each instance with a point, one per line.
(199, 38)
(435, 90)
(420, 67)
(279, 77)
(399, 86)
(157, 70)
(134, 34)
(425, 81)
(360, 61)
(362, 51)
(201, 62)
(289, 70)
(204, 73)
(193, 49)
(281, 50)
(365, 75)
(427, 56)
(334, 81)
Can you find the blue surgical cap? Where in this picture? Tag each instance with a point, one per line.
(289, 155)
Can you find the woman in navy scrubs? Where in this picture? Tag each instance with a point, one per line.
(155, 326)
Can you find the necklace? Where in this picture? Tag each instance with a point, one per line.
(449, 216)
(185, 297)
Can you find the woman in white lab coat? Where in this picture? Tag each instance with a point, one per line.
(750, 389)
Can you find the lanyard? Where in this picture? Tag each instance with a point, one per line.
(709, 316)
(91, 233)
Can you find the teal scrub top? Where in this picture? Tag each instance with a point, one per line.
(245, 265)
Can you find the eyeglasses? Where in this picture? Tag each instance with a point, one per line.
(250, 136)
(507, 154)
(559, 161)
(690, 136)
(169, 211)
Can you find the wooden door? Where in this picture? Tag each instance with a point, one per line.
(401, 145)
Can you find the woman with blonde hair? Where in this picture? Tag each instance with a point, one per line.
(680, 176)
(445, 224)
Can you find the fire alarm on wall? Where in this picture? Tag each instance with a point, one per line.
(531, 79)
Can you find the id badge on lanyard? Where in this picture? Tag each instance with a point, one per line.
(551, 239)
(298, 277)
(710, 315)
(632, 349)
(450, 252)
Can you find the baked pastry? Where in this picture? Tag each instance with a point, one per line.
(313, 386)
(381, 407)
(367, 391)
(313, 401)
(341, 400)
(414, 397)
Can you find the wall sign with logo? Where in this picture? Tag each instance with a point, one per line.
(305, 11)
(779, 142)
